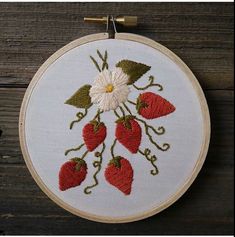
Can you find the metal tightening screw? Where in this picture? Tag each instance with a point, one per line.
(128, 21)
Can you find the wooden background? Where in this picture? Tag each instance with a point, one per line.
(200, 33)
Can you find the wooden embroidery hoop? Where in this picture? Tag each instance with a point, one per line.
(184, 68)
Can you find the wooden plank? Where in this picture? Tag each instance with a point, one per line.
(10, 102)
(220, 105)
(201, 34)
(182, 9)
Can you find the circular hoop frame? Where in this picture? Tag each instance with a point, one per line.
(195, 84)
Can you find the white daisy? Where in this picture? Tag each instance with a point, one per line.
(110, 89)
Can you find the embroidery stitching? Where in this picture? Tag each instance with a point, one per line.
(72, 173)
(151, 83)
(119, 173)
(96, 164)
(110, 91)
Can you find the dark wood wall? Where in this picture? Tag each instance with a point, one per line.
(200, 33)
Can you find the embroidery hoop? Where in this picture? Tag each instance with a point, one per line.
(169, 54)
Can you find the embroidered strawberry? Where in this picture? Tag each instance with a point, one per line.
(119, 173)
(128, 133)
(72, 173)
(151, 105)
(94, 134)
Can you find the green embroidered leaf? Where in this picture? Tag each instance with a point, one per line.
(133, 69)
(81, 98)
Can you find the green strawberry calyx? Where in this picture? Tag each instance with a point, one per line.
(140, 104)
(79, 163)
(126, 120)
(116, 161)
(96, 125)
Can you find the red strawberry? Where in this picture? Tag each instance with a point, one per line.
(151, 105)
(128, 133)
(119, 173)
(94, 134)
(72, 173)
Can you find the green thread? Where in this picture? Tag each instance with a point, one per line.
(152, 158)
(160, 130)
(100, 55)
(81, 98)
(115, 112)
(74, 149)
(133, 69)
(104, 61)
(164, 147)
(140, 104)
(116, 161)
(96, 125)
(79, 162)
(84, 154)
(95, 63)
(126, 107)
(97, 116)
(80, 116)
(122, 110)
(151, 83)
(126, 120)
(96, 164)
(131, 102)
(112, 148)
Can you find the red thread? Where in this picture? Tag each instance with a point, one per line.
(154, 106)
(93, 138)
(129, 137)
(69, 176)
(120, 177)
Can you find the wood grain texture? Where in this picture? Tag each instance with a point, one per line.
(200, 33)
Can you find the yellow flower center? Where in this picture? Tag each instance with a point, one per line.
(109, 88)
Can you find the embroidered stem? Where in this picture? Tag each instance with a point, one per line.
(97, 164)
(97, 116)
(151, 83)
(74, 149)
(160, 130)
(104, 59)
(84, 154)
(123, 112)
(164, 147)
(131, 102)
(115, 112)
(112, 148)
(128, 110)
(95, 63)
(80, 116)
(152, 158)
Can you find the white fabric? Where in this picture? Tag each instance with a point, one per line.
(48, 135)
